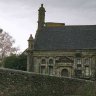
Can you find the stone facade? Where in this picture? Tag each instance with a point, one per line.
(67, 62)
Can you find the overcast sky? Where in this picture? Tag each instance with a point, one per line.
(19, 17)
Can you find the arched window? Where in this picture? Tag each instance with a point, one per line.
(87, 71)
(78, 60)
(43, 70)
(87, 61)
(51, 61)
(50, 70)
(43, 61)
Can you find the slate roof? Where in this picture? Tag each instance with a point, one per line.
(67, 37)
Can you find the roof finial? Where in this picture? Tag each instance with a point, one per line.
(30, 38)
(41, 5)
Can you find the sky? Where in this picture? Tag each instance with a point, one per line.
(19, 17)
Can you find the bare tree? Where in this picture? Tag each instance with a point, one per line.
(6, 46)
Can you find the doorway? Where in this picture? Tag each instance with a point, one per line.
(64, 72)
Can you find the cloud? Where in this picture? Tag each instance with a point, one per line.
(20, 16)
(71, 3)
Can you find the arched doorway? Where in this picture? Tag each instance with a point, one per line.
(64, 72)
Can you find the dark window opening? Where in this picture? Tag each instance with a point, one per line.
(42, 69)
(51, 61)
(64, 72)
(50, 70)
(43, 61)
(78, 73)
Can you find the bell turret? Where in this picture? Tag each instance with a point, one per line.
(41, 17)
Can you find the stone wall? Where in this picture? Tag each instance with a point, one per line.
(78, 63)
(19, 83)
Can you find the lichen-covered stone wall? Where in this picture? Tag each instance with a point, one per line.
(18, 83)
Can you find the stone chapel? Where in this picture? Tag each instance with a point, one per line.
(62, 50)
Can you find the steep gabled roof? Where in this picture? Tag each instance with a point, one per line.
(67, 37)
